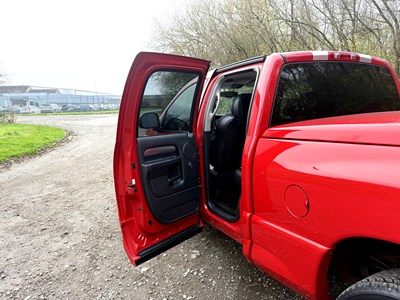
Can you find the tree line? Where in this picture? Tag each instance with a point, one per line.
(225, 31)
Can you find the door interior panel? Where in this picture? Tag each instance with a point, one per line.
(169, 171)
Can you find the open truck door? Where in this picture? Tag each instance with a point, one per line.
(156, 168)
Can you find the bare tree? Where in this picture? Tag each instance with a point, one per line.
(389, 15)
(229, 30)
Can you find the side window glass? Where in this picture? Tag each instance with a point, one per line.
(308, 91)
(227, 95)
(179, 111)
(170, 96)
(224, 106)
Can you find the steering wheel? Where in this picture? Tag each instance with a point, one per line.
(177, 124)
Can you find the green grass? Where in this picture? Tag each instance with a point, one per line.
(20, 139)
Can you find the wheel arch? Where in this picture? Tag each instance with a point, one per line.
(356, 258)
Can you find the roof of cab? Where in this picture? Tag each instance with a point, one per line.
(300, 56)
(303, 56)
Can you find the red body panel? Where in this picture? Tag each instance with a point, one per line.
(341, 176)
(304, 185)
(373, 128)
(258, 123)
(341, 181)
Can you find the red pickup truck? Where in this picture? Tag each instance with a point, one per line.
(294, 155)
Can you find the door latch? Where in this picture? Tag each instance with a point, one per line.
(132, 185)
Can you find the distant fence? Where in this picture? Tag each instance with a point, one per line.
(61, 99)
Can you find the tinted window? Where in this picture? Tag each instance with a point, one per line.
(171, 95)
(180, 108)
(326, 89)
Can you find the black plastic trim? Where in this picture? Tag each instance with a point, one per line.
(284, 58)
(241, 63)
(168, 243)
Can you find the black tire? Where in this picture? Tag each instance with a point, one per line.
(384, 285)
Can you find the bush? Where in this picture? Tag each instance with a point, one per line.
(7, 118)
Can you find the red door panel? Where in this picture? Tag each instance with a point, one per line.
(156, 168)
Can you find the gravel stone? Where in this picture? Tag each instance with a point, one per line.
(60, 235)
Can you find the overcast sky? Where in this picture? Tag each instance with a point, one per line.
(80, 44)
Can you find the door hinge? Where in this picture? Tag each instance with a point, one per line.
(199, 183)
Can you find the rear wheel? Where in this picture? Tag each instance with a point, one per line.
(384, 285)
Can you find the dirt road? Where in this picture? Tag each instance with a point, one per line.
(60, 238)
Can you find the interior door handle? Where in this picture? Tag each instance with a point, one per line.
(171, 181)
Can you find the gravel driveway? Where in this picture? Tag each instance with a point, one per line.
(60, 238)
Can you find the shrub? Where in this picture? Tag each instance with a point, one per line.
(7, 118)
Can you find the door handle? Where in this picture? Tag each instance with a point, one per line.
(171, 181)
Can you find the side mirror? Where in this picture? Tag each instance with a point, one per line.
(149, 120)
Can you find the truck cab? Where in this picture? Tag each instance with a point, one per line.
(30, 107)
(265, 150)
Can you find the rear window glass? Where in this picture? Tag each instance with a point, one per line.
(315, 90)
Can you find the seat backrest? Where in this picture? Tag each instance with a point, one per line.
(228, 140)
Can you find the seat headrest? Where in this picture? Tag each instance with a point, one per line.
(240, 106)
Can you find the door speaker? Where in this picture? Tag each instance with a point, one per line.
(189, 151)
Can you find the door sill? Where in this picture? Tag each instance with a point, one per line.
(168, 243)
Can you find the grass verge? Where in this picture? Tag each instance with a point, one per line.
(21, 139)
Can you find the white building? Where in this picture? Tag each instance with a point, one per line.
(18, 95)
